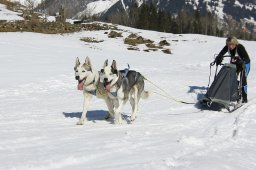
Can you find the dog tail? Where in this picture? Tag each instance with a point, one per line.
(145, 94)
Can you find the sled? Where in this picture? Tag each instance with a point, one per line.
(225, 90)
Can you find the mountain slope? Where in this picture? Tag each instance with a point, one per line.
(96, 8)
(238, 9)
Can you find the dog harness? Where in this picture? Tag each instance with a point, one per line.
(100, 89)
(126, 70)
(114, 94)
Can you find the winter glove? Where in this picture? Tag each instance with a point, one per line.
(240, 63)
(218, 60)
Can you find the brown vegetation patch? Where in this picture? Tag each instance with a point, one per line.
(164, 43)
(150, 49)
(114, 34)
(134, 40)
(9, 5)
(151, 45)
(133, 48)
(37, 25)
(90, 40)
(167, 51)
(97, 27)
(133, 36)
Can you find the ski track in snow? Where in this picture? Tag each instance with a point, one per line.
(39, 113)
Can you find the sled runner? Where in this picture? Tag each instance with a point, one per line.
(225, 90)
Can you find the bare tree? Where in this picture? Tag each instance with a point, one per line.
(31, 4)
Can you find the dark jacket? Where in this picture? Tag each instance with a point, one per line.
(240, 51)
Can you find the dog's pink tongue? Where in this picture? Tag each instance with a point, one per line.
(80, 86)
(108, 87)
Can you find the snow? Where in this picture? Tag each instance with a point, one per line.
(51, 18)
(219, 10)
(237, 3)
(97, 7)
(25, 2)
(100, 6)
(40, 107)
(6, 14)
(122, 1)
(140, 2)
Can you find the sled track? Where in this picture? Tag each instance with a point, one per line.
(238, 117)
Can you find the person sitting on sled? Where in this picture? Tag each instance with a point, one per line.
(240, 57)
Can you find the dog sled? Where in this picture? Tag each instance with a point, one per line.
(226, 88)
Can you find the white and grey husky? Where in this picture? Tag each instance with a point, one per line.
(88, 82)
(123, 85)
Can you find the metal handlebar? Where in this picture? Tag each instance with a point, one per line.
(225, 56)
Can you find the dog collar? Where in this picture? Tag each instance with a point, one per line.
(93, 92)
(113, 94)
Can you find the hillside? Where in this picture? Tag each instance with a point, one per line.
(40, 105)
(217, 18)
(238, 9)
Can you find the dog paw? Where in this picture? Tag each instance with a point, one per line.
(108, 117)
(119, 122)
(80, 122)
(132, 119)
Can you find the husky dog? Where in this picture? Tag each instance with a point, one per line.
(88, 82)
(122, 86)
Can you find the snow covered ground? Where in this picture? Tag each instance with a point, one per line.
(6, 14)
(40, 106)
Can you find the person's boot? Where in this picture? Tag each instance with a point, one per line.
(244, 95)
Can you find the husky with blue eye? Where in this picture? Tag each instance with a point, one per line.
(88, 82)
(123, 85)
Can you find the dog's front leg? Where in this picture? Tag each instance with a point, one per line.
(116, 104)
(118, 117)
(87, 98)
(133, 115)
(110, 106)
(134, 104)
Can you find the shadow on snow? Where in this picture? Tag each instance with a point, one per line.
(200, 91)
(94, 115)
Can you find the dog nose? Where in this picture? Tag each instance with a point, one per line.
(105, 79)
(77, 77)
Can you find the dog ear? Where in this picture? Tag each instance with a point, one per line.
(105, 63)
(88, 61)
(87, 64)
(77, 63)
(114, 65)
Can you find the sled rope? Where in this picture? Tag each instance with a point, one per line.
(167, 95)
(171, 98)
